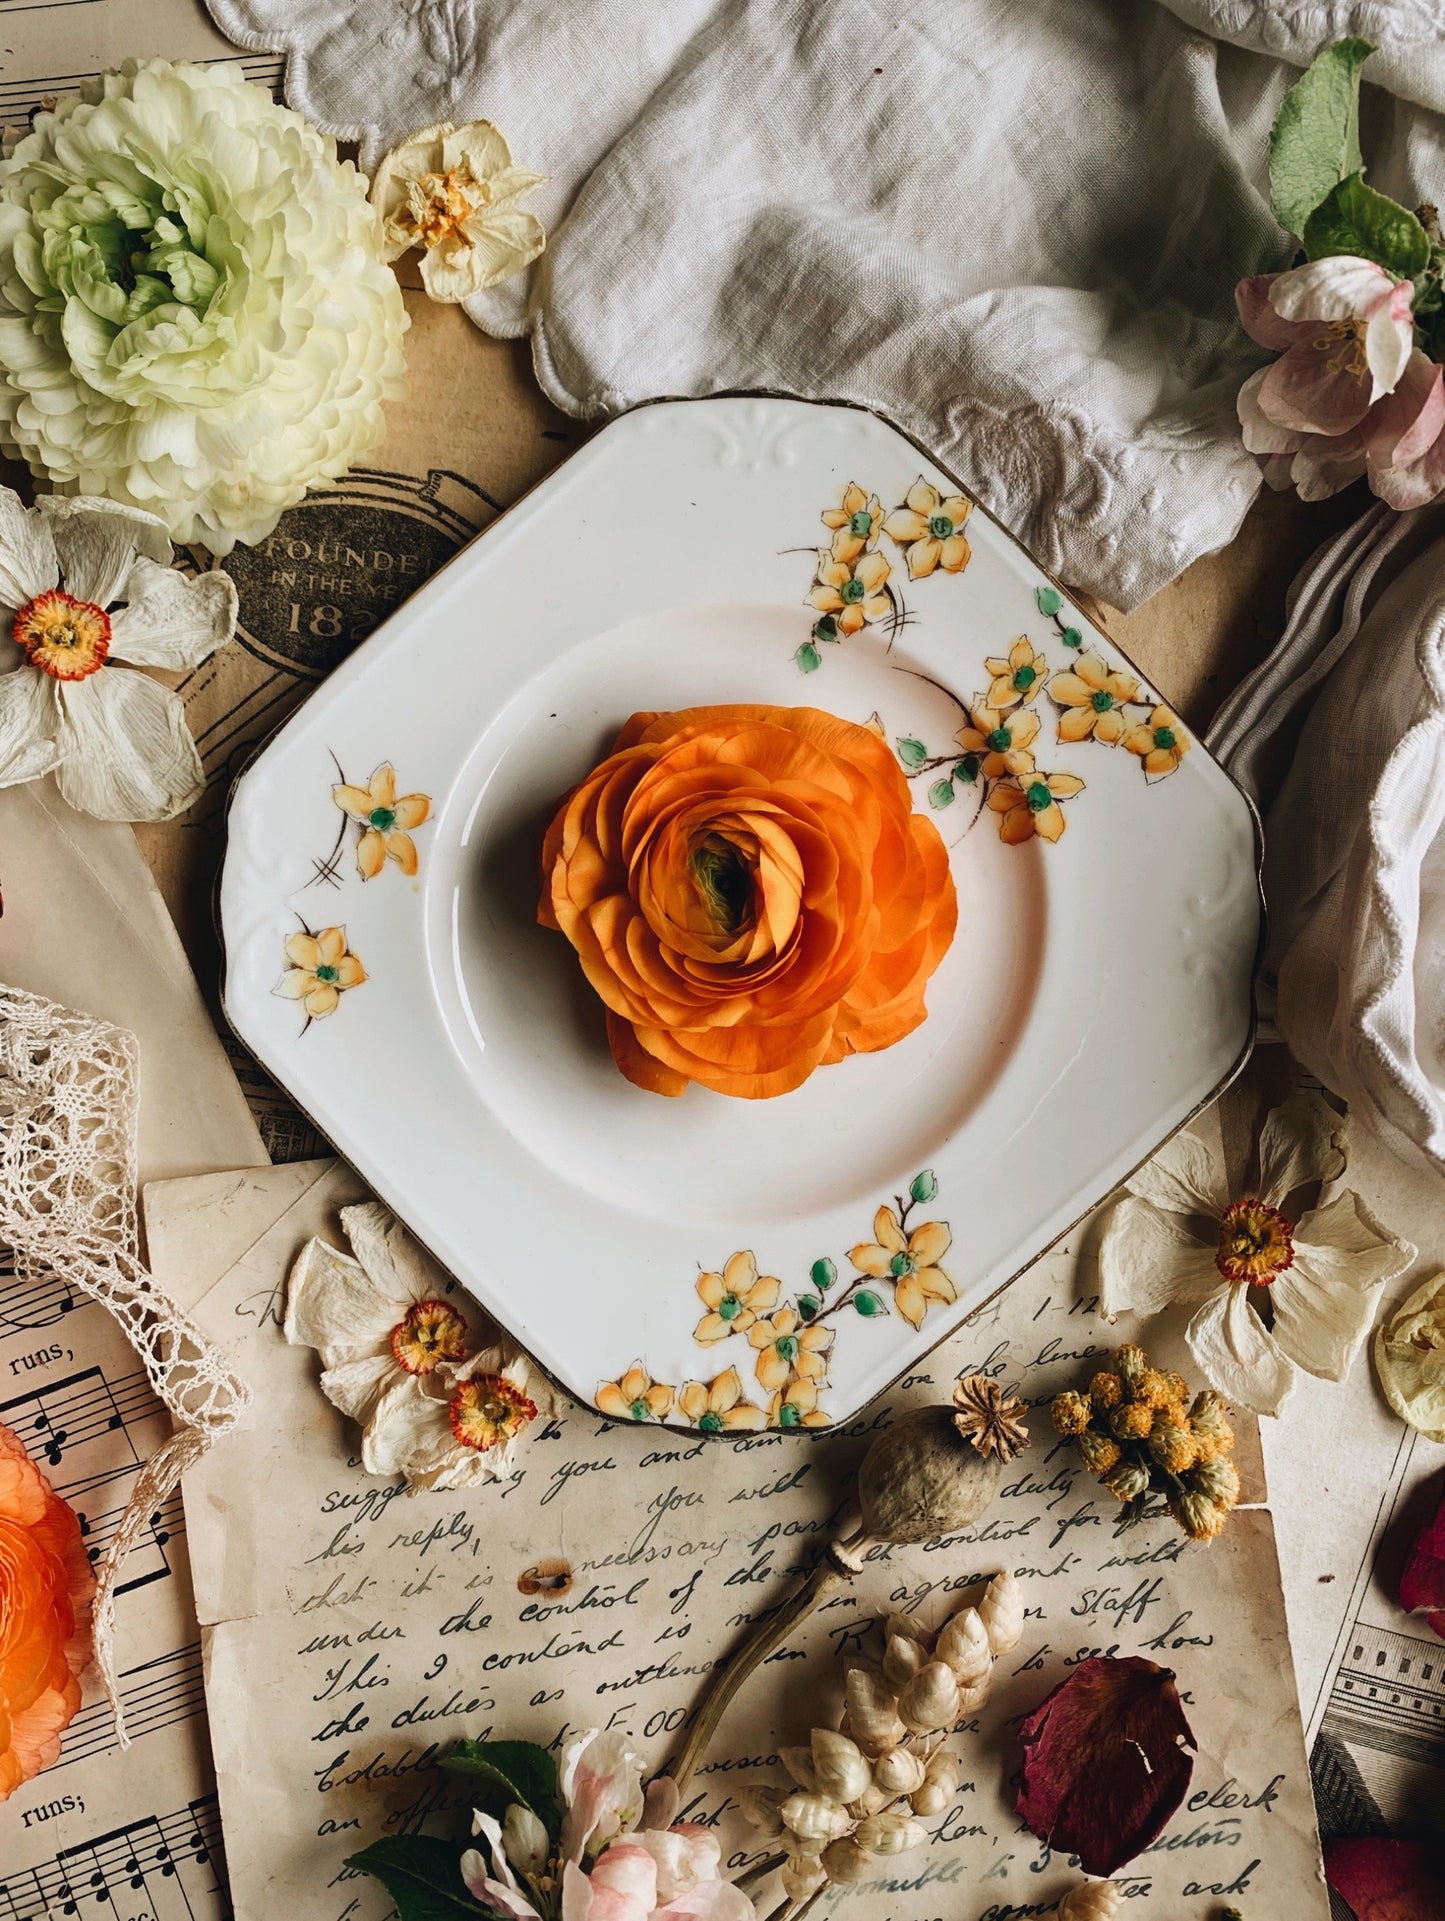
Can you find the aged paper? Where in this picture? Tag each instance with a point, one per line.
(350, 1628)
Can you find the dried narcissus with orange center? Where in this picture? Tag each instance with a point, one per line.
(751, 895)
(1256, 1243)
(428, 1333)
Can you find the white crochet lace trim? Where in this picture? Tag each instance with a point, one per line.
(68, 1099)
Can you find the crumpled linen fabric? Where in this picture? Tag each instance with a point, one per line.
(1354, 867)
(1014, 230)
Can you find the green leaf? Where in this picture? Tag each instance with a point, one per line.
(826, 628)
(1316, 138)
(924, 1187)
(1356, 219)
(1072, 637)
(808, 1305)
(911, 752)
(868, 1304)
(823, 1274)
(940, 794)
(966, 770)
(808, 658)
(1049, 601)
(422, 1875)
(510, 1771)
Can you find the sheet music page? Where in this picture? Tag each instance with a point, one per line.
(351, 1629)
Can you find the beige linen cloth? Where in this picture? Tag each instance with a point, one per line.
(1014, 229)
(1354, 867)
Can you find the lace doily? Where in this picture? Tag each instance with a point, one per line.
(68, 1099)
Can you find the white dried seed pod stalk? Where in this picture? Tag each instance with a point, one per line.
(890, 1834)
(898, 1772)
(845, 1861)
(840, 1768)
(964, 1644)
(872, 1798)
(971, 1699)
(1090, 1901)
(873, 1719)
(814, 1818)
(760, 1810)
(902, 1658)
(1002, 1611)
(930, 1701)
(799, 1763)
(803, 1875)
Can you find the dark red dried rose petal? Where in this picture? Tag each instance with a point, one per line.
(1104, 1761)
(1388, 1880)
(1422, 1585)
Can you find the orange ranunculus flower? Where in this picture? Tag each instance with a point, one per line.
(752, 895)
(45, 1594)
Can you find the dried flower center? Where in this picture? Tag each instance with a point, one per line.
(1256, 1243)
(431, 1331)
(1039, 797)
(438, 204)
(1164, 737)
(1025, 678)
(940, 526)
(861, 523)
(853, 591)
(66, 638)
(1102, 701)
(488, 1410)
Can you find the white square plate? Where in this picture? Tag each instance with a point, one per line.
(1097, 992)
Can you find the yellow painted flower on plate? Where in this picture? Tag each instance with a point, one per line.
(385, 820)
(909, 1261)
(636, 1397)
(1032, 806)
(788, 1346)
(1002, 739)
(1093, 698)
(717, 1406)
(1017, 679)
(852, 591)
(855, 525)
(734, 1299)
(930, 529)
(322, 968)
(796, 1405)
(1160, 742)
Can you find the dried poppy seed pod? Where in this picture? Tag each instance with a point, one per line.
(839, 1767)
(814, 1819)
(1090, 1901)
(873, 1719)
(940, 1783)
(902, 1658)
(898, 1772)
(921, 1479)
(930, 1701)
(845, 1861)
(760, 1810)
(890, 1834)
(1002, 1612)
(799, 1763)
(963, 1644)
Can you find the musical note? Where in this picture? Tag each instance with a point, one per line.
(30, 1302)
(175, 1862)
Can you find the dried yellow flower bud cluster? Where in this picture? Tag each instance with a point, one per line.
(1138, 1432)
(861, 1789)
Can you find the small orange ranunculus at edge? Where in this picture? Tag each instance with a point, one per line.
(751, 894)
(46, 1588)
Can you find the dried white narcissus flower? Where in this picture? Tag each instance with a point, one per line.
(1002, 1612)
(1090, 1901)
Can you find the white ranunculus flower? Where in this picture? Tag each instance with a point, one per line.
(194, 315)
(85, 584)
(1177, 1238)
